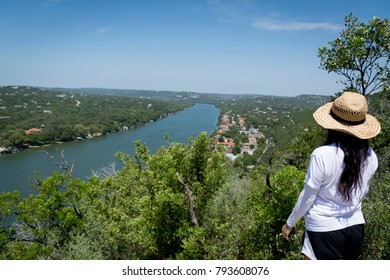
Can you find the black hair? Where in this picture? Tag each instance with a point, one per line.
(355, 157)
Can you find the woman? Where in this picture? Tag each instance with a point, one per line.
(337, 180)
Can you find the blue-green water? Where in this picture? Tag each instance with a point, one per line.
(17, 171)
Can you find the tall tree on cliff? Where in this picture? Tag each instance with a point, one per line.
(360, 55)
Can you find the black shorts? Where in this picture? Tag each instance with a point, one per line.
(342, 244)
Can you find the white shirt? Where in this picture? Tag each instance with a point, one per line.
(320, 202)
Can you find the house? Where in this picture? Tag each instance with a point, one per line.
(33, 131)
(231, 156)
(228, 144)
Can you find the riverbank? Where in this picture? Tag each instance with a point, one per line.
(15, 150)
(4, 150)
(97, 153)
(36, 117)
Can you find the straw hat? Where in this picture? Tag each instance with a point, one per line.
(348, 113)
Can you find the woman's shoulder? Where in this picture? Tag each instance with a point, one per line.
(326, 149)
(371, 152)
(328, 153)
(372, 157)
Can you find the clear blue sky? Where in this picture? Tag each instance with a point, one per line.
(210, 46)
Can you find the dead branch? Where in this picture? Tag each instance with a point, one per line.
(191, 199)
(105, 171)
(268, 178)
(64, 165)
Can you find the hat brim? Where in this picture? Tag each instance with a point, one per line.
(369, 129)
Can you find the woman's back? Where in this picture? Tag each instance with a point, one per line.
(331, 210)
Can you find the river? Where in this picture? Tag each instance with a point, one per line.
(17, 171)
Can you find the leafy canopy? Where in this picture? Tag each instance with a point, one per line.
(360, 54)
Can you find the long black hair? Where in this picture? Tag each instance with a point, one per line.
(355, 156)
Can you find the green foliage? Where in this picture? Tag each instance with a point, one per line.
(270, 208)
(46, 219)
(303, 146)
(221, 234)
(279, 119)
(7, 202)
(143, 211)
(377, 214)
(376, 207)
(360, 54)
(380, 108)
(64, 115)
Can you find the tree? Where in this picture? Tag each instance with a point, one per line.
(360, 54)
(269, 207)
(80, 130)
(15, 139)
(43, 223)
(377, 214)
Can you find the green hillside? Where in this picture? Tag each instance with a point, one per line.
(65, 116)
(189, 201)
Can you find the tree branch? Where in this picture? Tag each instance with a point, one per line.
(64, 165)
(191, 199)
(268, 178)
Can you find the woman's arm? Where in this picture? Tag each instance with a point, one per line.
(305, 200)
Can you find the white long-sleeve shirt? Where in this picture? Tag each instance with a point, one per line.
(320, 202)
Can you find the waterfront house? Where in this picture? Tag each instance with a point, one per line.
(33, 130)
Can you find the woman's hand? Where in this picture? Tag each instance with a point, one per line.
(286, 231)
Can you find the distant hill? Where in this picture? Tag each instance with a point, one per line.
(154, 94)
(301, 100)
